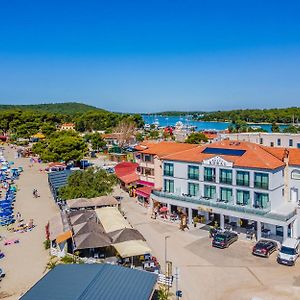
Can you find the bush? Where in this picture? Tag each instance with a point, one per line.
(47, 244)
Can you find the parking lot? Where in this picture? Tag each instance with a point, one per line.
(212, 273)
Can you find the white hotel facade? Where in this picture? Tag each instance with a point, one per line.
(235, 182)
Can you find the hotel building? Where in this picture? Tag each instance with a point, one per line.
(149, 155)
(235, 182)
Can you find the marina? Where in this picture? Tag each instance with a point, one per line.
(164, 121)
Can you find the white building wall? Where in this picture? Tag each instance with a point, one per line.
(276, 182)
(267, 138)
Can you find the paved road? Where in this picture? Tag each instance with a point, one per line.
(209, 273)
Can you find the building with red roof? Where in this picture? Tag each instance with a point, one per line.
(234, 182)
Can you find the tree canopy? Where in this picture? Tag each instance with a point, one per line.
(25, 121)
(196, 138)
(61, 145)
(90, 183)
(277, 115)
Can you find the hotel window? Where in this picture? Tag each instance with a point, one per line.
(261, 200)
(226, 194)
(209, 174)
(261, 141)
(209, 191)
(298, 145)
(291, 142)
(168, 169)
(149, 171)
(147, 158)
(242, 197)
(193, 189)
(272, 144)
(193, 172)
(261, 181)
(225, 176)
(169, 186)
(242, 178)
(278, 142)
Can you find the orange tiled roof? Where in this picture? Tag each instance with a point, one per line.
(111, 135)
(294, 154)
(211, 136)
(255, 156)
(68, 125)
(164, 148)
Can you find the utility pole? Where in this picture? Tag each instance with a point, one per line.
(178, 292)
(166, 237)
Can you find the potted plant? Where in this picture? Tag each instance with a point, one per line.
(196, 220)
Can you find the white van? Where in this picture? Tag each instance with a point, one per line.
(289, 252)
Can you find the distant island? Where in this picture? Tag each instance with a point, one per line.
(274, 115)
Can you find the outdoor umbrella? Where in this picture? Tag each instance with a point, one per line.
(163, 209)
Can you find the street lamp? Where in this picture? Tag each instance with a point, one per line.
(166, 238)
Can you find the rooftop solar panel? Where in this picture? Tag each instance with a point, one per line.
(223, 151)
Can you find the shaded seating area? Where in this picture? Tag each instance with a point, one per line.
(89, 237)
(111, 219)
(126, 234)
(60, 235)
(92, 203)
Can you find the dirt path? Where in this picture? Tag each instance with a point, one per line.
(24, 263)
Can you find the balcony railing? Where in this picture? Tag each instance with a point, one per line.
(209, 178)
(261, 185)
(193, 176)
(242, 182)
(231, 206)
(168, 173)
(225, 180)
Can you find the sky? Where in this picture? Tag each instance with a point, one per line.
(151, 56)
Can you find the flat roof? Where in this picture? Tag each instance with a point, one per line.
(95, 281)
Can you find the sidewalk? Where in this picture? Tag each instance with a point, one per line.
(208, 273)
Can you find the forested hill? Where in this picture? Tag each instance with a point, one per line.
(278, 115)
(68, 108)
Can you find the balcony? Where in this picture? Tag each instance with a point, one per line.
(193, 176)
(261, 185)
(242, 182)
(209, 178)
(168, 173)
(230, 205)
(225, 180)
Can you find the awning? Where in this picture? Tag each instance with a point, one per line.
(132, 248)
(144, 191)
(145, 183)
(64, 236)
(111, 219)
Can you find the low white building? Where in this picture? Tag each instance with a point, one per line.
(235, 182)
(274, 139)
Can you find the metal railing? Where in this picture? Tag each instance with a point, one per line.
(214, 202)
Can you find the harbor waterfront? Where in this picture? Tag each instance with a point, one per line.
(200, 125)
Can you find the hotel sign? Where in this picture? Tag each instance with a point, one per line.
(218, 161)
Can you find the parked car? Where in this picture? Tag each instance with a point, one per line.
(289, 252)
(2, 274)
(264, 248)
(224, 239)
(1, 254)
